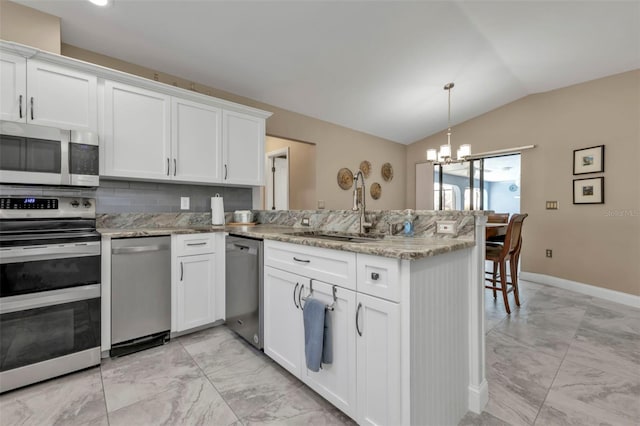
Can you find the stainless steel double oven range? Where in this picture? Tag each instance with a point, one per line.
(49, 288)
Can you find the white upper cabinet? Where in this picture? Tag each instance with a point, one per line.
(196, 136)
(136, 133)
(61, 97)
(243, 148)
(13, 87)
(46, 94)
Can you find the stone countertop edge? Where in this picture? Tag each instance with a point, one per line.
(394, 247)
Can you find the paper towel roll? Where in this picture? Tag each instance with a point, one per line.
(217, 210)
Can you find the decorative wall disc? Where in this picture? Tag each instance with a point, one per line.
(345, 178)
(365, 168)
(387, 172)
(376, 190)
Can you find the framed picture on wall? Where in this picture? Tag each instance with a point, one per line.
(588, 160)
(588, 191)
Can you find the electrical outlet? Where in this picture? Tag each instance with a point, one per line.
(446, 227)
(184, 203)
(549, 253)
(305, 221)
(320, 204)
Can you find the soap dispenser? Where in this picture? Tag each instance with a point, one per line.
(408, 224)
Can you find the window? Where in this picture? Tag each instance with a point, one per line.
(476, 198)
(450, 194)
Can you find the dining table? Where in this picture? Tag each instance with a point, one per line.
(495, 230)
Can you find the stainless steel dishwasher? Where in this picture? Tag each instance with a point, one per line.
(140, 293)
(244, 288)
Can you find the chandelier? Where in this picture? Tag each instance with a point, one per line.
(444, 154)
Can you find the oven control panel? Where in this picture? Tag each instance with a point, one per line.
(29, 207)
(29, 203)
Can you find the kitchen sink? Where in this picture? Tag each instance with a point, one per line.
(339, 236)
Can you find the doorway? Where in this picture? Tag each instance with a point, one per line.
(277, 180)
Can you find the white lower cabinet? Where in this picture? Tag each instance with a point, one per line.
(337, 381)
(284, 295)
(283, 331)
(364, 378)
(198, 283)
(378, 361)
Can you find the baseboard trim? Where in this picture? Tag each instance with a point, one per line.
(478, 397)
(589, 290)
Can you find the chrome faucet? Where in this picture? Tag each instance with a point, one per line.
(360, 204)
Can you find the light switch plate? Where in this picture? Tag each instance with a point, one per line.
(184, 203)
(446, 227)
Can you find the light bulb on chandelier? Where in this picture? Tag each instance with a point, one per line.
(444, 154)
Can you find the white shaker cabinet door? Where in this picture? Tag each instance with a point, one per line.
(243, 148)
(136, 140)
(336, 381)
(13, 87)
(196, 142)
(283, 332)
(195, 291)
(61, 97)
(378, 348)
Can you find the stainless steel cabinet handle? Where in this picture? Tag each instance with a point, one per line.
(20, 106)
(225, 172)
(375, 276)
(181, 271)
(357, 322)
(294, 295)
(175, 167)
(196, 244)
(167, 167)
(32, 108)
(140, 249)
(301, 260)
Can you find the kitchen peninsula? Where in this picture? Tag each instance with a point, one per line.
(408, 311)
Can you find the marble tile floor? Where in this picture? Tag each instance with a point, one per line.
(562, 358)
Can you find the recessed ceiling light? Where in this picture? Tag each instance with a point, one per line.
(100, 2)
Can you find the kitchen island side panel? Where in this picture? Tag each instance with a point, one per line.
(439, 338)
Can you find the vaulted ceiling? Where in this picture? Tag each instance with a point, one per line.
(374, 66)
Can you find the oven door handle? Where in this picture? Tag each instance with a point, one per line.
(49, 252)
(48, 298)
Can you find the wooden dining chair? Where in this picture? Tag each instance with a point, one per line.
(500, 255)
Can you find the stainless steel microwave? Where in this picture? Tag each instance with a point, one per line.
(41, 155)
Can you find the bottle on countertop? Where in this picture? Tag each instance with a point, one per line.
(408, 224)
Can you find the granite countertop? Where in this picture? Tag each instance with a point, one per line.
(399, 247)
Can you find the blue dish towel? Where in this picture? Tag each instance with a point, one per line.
(314, 324)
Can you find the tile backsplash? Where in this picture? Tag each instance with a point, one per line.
(121, 196)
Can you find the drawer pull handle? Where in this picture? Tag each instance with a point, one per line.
(294, 295)
(301, 260)
(196, 244)
(375, 276)
(357, 322)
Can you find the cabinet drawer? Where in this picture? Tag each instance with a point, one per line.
(195, 244)
(332, 266)
(379, 276)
